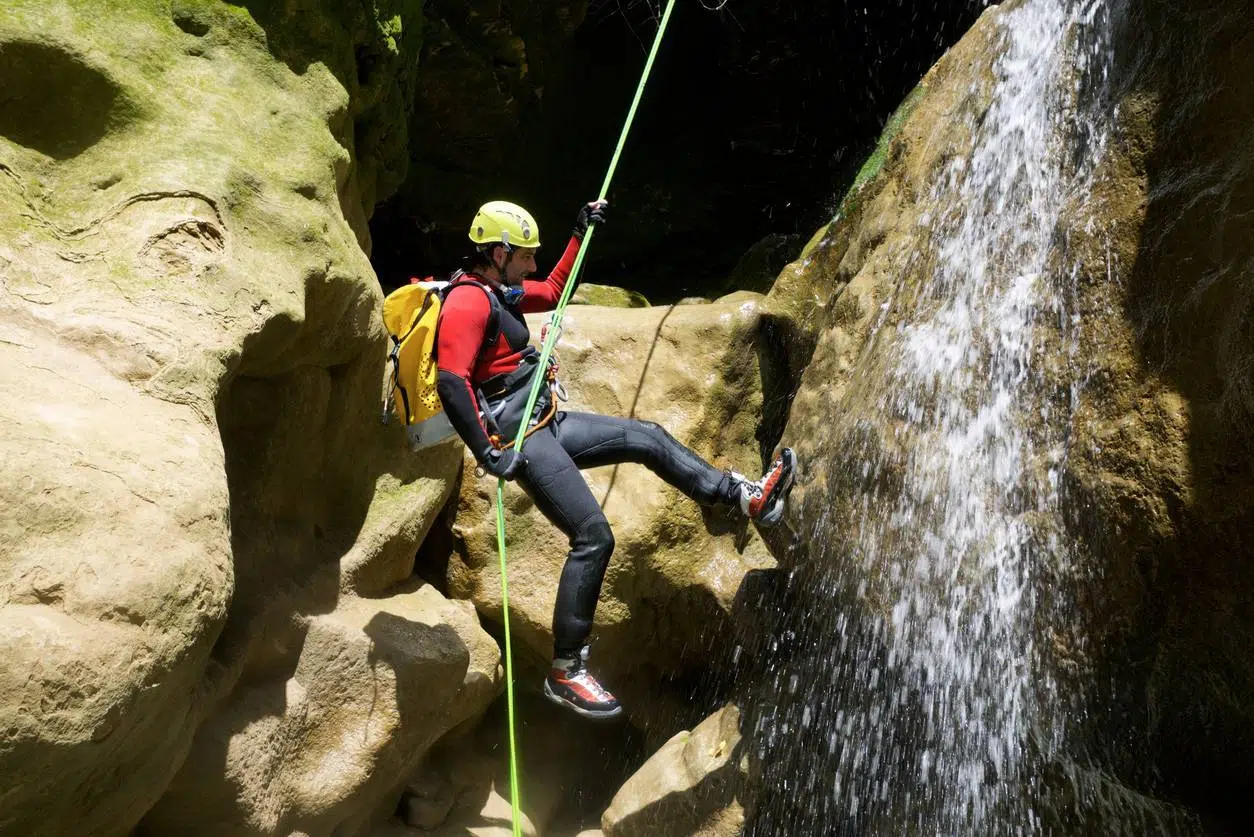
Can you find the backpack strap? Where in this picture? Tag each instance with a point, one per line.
(492, 332)
(426, 305)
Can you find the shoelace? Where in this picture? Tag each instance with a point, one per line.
(757, 490)
(589, 682)
(772, 474)
(751, 500)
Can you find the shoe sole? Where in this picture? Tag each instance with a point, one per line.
(590, 714)
(774, 501)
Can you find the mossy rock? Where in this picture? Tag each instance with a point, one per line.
(875, 163)
(608, 296)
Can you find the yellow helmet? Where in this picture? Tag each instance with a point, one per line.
(505, 222)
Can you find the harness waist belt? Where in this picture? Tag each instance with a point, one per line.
(499, 386)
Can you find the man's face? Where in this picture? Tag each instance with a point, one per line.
(522, 264)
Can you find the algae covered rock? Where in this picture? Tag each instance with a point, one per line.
(607, 296)
(761, 264)
(197, 486)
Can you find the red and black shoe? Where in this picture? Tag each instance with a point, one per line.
(569, 684)
(763, 501)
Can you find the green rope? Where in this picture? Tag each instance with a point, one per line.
(546, 351)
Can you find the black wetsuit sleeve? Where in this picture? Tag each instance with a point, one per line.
(458, 398)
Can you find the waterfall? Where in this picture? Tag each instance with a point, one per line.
(975, 531)
(936, 718)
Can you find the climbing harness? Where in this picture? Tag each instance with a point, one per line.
(503, 386)
(554, 329)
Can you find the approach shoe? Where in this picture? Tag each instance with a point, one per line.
(569, 684)
(763, 501)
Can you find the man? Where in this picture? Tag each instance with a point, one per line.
(485, 372)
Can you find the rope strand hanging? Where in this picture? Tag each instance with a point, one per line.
(546, 351)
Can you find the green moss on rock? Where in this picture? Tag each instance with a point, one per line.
(608, 296)
(875, 163)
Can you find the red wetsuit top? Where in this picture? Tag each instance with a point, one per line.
(463, 359)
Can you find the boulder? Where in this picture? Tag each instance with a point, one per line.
(115, 578)
(368, 689)
(688, 788)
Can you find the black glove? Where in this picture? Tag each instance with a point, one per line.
(589, 213)
(503, 463)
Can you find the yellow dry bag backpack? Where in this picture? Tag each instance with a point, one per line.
(411, 315)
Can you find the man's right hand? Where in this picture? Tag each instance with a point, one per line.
(503, 464)
(590, 213)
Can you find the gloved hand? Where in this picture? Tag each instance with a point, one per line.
(589, 213)
(503, 463)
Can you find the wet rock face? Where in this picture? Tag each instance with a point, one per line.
(1164, 493)
(372, 49)
(1148, 624)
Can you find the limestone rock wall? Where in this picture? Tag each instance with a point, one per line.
(204, 584)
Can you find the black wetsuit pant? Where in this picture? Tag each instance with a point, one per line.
(555, 454)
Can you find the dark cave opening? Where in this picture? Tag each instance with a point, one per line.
(755, 121)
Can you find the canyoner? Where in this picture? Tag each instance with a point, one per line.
(487, 371)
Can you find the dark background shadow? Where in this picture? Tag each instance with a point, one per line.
(755, 121)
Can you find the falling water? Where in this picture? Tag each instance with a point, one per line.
(973, 532)
(936, 716)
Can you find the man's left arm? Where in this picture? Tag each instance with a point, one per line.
(543, 295)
